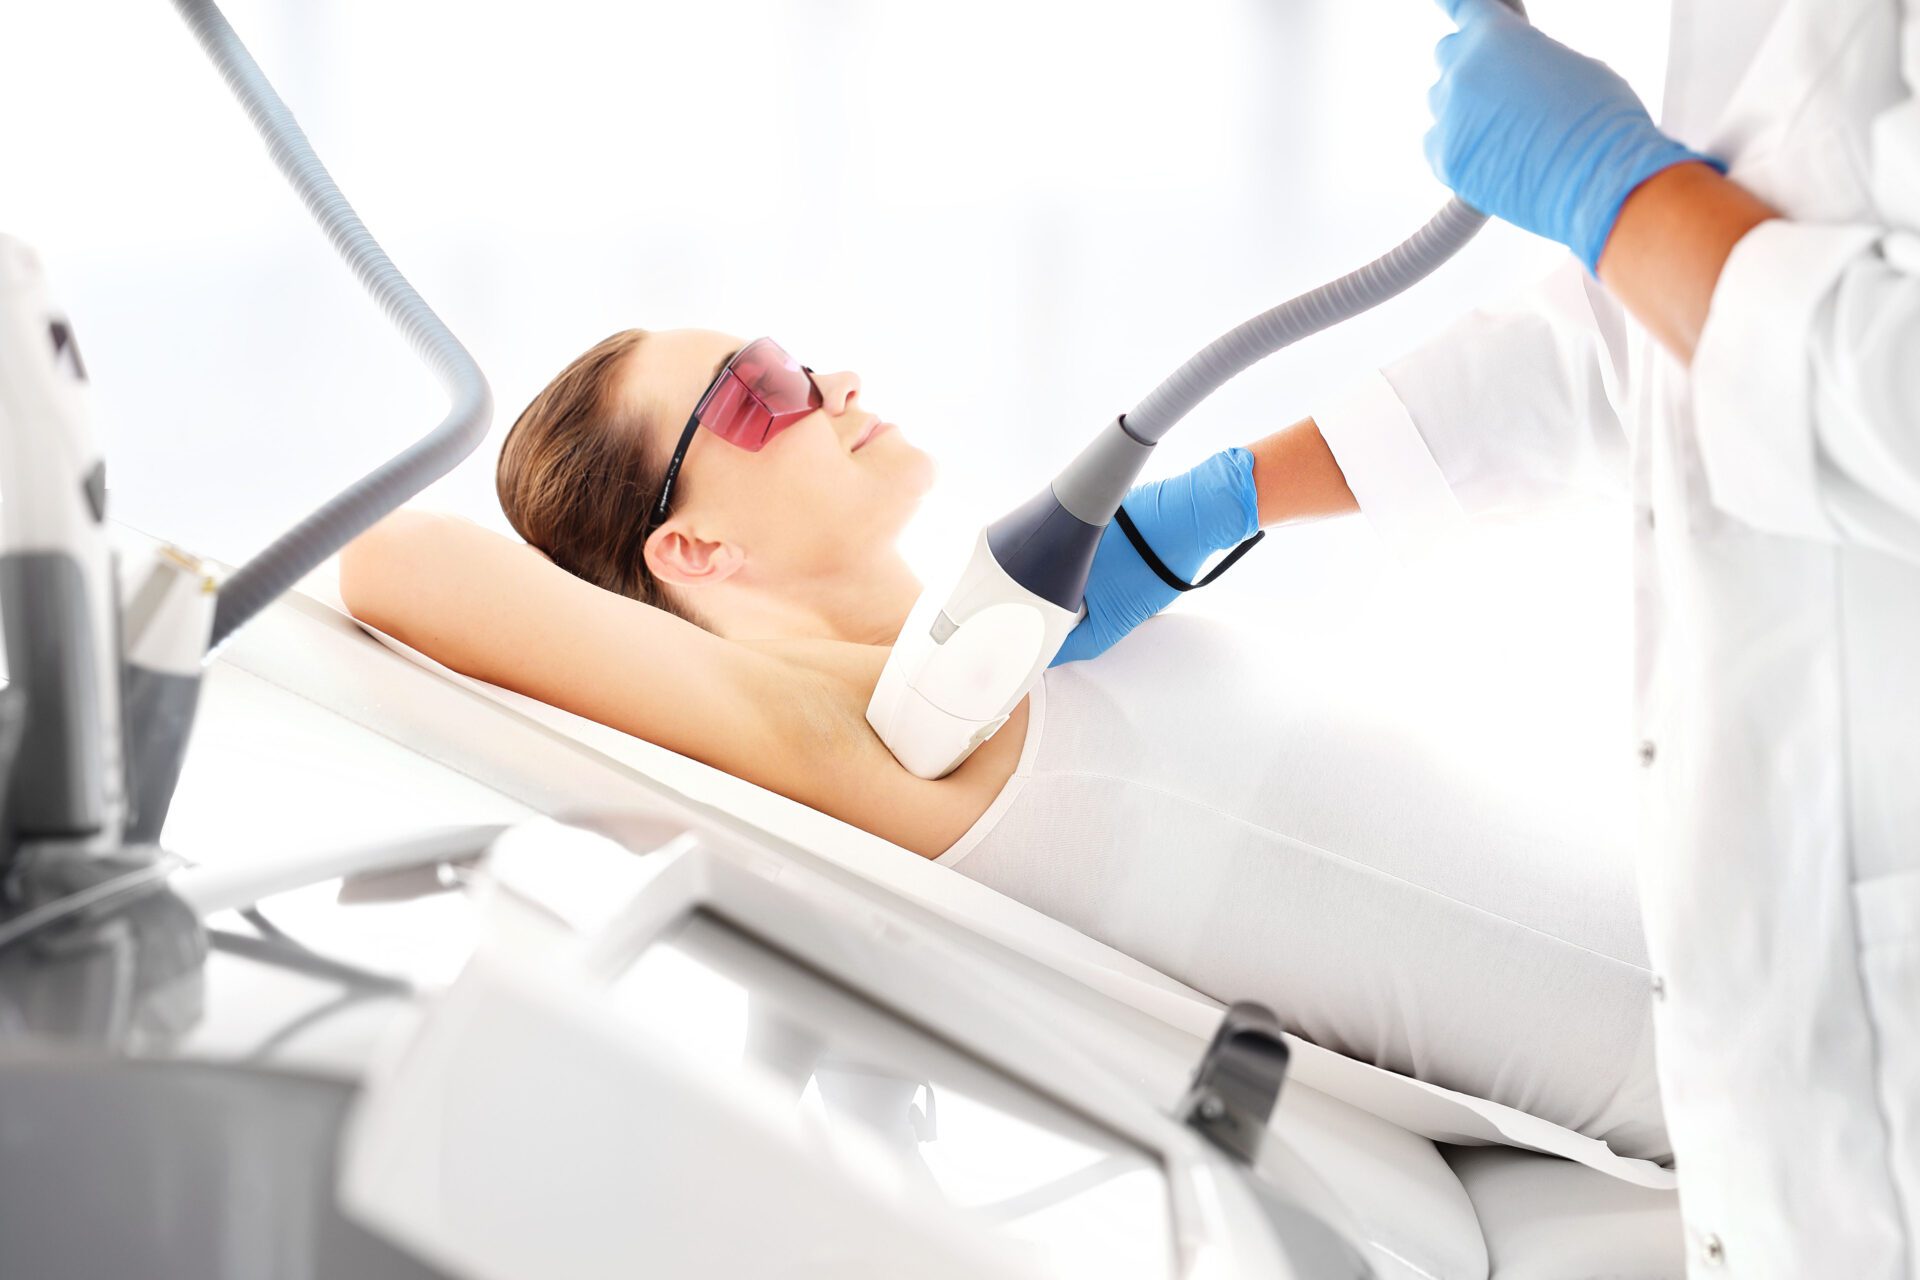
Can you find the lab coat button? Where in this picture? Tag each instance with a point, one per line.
(1646, 753)
(1659, 986)
(1712, 1252)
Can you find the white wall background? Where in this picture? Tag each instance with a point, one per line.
(1011, 216)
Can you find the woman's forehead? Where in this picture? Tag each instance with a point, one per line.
(673, 368)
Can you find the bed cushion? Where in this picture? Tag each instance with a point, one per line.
(1548, 1219)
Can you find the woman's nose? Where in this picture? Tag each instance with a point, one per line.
(838, 391)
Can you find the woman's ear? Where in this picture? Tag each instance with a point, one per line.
(676, 555)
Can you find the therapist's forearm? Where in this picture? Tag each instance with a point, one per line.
(1664, 256)
(1296, 477)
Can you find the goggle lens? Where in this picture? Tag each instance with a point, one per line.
(760, 393)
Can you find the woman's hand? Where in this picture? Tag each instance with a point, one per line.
(1527, 130)
(1185, 519)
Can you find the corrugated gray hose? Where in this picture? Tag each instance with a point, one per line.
(255, 584)
(1234, 352)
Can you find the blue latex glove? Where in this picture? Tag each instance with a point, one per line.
(1185, 519)
(1527, 130)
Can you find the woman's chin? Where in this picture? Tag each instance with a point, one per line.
(903, 485)
(903, 510)
(917, 470)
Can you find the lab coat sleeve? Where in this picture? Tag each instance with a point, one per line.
(1510, 407)
(1806, 380)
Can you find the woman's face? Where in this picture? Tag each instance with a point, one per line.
(822, 495)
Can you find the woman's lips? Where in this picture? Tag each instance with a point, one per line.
(874, 428)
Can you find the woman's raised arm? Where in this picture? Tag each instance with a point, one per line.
(497, 610)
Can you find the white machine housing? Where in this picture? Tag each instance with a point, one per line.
(534, 1125)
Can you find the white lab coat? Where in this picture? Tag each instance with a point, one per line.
(1776, 519)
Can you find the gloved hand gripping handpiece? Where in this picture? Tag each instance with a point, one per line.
(1161, 536)
(972, 649)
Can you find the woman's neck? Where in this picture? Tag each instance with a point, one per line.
(864, 606)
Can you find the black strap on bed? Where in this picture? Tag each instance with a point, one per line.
(1159, 566)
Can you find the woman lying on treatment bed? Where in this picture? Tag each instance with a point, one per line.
(729, 593)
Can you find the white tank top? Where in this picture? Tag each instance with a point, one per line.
(1233, 821)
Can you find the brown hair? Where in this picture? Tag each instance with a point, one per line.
(577, 479)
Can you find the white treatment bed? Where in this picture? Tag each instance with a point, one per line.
(1444, 1185)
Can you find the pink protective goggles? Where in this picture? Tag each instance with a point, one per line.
(757, 394)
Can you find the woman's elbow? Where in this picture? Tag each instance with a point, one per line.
(372, 566)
